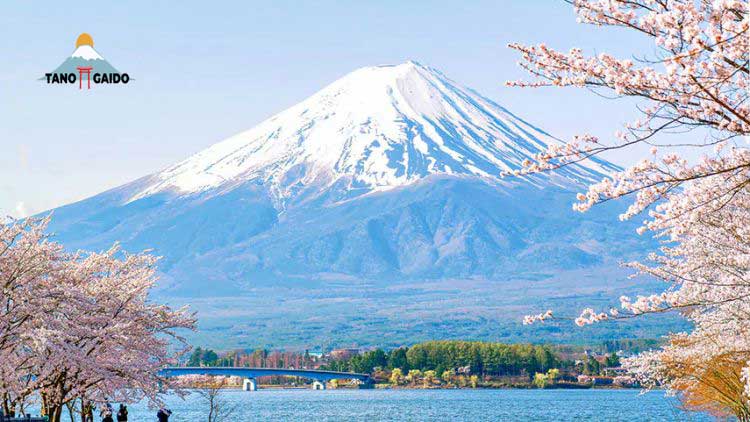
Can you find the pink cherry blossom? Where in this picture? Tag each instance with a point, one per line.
(80, 326)
(698, 77)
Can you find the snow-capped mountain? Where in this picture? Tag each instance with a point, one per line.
(85, 56)
(373, 208)
(375, 129)
(86, 52)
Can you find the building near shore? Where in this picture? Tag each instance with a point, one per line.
(340, 354)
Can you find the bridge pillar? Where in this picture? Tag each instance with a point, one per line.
(249, 384)
(318, 385)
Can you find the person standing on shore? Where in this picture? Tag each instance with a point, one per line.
(122, 413)
(106, 413)
(88, 412)
(164, 414)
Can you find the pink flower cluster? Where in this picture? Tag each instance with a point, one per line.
(698, 77)
(79, 326)
(589, 316)
(530, 319)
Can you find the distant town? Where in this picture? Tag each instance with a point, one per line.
(441, 364)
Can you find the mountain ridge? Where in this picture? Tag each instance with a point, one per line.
(359, 199)
(379, 127)
(84, 56)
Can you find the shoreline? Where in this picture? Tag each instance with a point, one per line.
(401, 387)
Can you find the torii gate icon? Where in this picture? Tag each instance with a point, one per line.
(81, 72)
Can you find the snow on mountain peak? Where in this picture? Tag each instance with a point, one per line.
(374, 129)
(86, 52)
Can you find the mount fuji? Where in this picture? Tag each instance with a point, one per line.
(373, 212)
(85, 56)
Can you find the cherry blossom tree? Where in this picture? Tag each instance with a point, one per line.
(707, 263)
(106, 341)
(27, 261)
(80, 326)
(698, 78)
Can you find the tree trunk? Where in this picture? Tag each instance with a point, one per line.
(85, 406)
(55, 413)
(9, 408)
(43, 411)
(71, 410)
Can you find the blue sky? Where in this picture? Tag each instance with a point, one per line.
(203, 71)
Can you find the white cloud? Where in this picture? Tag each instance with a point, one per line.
(21, 210)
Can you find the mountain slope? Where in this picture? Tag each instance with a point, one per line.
(380, 193)
(375, 129)
(85, 56)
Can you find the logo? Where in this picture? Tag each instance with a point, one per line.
(85, 67)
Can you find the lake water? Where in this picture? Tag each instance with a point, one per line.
(432, 405)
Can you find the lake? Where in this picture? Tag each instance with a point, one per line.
(432, 405)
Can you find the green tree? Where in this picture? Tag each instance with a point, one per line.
(209, 357)
(371, 360)
(414, 375)
(540, 380)
(203, 357)
(429, 377)
(397, 359)
(396, 376)
(612, 360)
(591, 366)
(195, 357)
(466, 357)
(447, 376)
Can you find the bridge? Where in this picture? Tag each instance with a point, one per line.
(250, 374)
